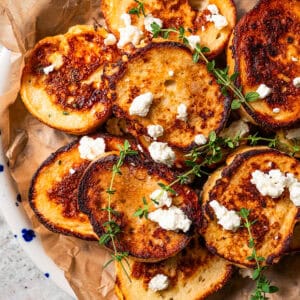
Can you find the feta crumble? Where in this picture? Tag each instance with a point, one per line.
(161, 198)
(158, 283)
(263, 91)
(219, 20)
(228, 219)
(149, 19)
(72, 171)
(200, 139)
(293, 58)
(162, 153)
(90, 148)
(296, 82)
(182, 112)
(155, 131)
(129, 33)
(276, 110)
(141, 104)
(294, 188)
(193, 41)
(171, 73)
(48, 69)
(110, 40)
(172, 218)
(269, 184)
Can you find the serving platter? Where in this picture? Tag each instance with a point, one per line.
(16, 218)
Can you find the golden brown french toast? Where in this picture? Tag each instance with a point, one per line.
(190, 85)
(194, 273)
(62, 82)
(194, 16)
(140, 237)
(54, 189)
(266, 51)
(234, 187)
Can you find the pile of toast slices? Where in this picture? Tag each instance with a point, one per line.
(135, 84)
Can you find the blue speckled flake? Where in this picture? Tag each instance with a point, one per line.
(47, 275)
(28, 234)
(1, 168)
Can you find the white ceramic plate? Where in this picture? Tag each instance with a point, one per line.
(20, 225)
(14, 213)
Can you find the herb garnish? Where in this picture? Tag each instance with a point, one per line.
(209, 154)
(139, 9)
(112, 229)
(263, 285)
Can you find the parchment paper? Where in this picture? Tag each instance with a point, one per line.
(28, 142)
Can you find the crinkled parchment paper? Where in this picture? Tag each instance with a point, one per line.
(27, 143)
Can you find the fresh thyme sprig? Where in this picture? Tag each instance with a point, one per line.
(112, 229)
(225, 80)
(263, 285)
(138, 10)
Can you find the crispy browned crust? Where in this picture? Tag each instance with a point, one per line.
(231, 187)
(53, 191)
(141, 238)
(73, 97)
(264, 42)
(207, 108)
(175, 14)
(194, 273)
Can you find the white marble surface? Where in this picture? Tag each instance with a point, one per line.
(20, 279)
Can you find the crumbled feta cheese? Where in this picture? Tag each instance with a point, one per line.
(182, 112)
(263, 91)
(90, 148)
(296, 82)
(236, 129)
(203, 28)
(228, 219)
(213, 9)
(172, 218)
(72, 171)
(276, 110)
(161, 198)
(159, 282)
(200, 139)
(110, 40)
(193, 41)
(293, 58)
(245, 272)
(48, 69)
(293, 134)
(155, 131)
(219, 20)
(171, 73)
(141, 104)
(294, 188)
(129, 33)
(271, 184)
(162, 153)
(140, 148)
(149, 19)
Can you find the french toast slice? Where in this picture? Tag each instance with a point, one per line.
(274, 218)
(194, 273)
(265, 50)
(139, 237)
(192, 15)
(62, 82)
(53, 192)
(147, 71)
